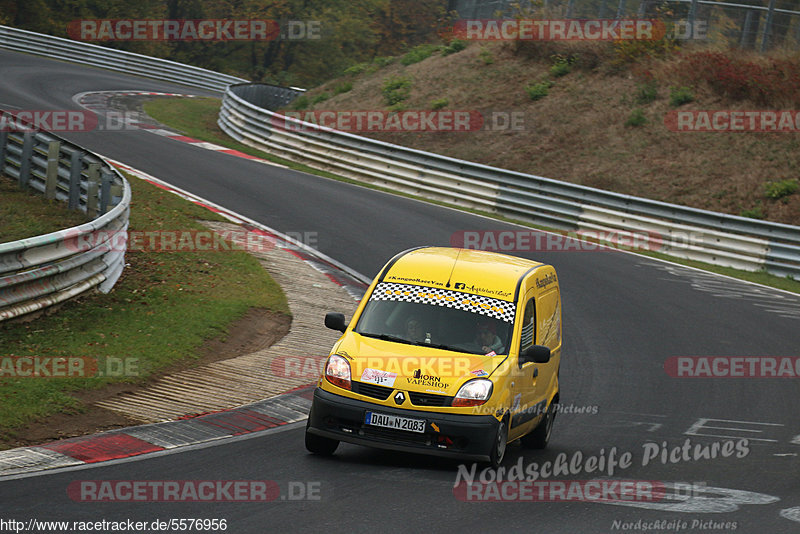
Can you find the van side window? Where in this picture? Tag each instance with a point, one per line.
(528, 321)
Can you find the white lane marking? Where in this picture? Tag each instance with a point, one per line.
(698, 498)
(700, 424)
(792, 514)
(637, 413)
(778, 301)
(651, 427)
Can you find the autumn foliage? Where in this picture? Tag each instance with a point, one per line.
(351, 32)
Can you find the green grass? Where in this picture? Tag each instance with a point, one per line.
(197, 113)
(537, 91)
(28, 214)
(679, 96)
(420, 53)
(396, 89)
(636, 118)
(454, 47)
(439, 103)
(780, 189)
(160, 312)
(646, 93)
(343, 88)
(560, 68)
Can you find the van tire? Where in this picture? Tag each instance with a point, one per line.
(320, 444)
(500, 444)
(539, 437)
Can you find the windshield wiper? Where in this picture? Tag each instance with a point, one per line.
(387, 337)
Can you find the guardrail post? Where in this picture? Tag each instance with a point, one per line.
(602, 13)
(105, 191)
(51, 176)
(91, 190)
(116, 193)
(570, 7)
(28, 140)
(797, 35)
(692, 15)
(749, 28)
(767, 26)
(3, 143)
(75, 169)
(620, 9)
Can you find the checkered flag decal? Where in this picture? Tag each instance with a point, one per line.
(491, 307)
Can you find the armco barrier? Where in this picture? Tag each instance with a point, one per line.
(44, 270)
(111, 59)
(681, 231)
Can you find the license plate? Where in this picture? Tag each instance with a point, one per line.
(395, 421)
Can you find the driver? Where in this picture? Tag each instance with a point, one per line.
(414, 330)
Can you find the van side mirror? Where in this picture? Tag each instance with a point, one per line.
(535, 354)
(335, 321)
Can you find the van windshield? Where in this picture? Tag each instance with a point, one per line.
(440, 318)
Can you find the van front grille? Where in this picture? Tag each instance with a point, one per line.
(371, 390)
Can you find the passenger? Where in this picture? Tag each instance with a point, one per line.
(487, 338)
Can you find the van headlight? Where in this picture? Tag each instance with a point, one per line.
(474, 393)
(337, 371)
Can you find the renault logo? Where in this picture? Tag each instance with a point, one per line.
(400, 397)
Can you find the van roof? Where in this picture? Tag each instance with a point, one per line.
(472, 271)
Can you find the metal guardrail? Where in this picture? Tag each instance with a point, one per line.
(44, 270)
(679, 231)
(111, 59)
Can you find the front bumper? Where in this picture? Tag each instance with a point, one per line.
(468, 437)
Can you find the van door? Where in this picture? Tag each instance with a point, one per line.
(548, 330)
(526, 397)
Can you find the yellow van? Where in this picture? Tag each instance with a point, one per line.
(451, 352)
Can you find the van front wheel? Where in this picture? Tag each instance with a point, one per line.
(320, 444)
(539, 437)
(499, 446)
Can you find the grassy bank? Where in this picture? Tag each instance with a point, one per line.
(27, 214)
(599, 114)
(160, 312)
